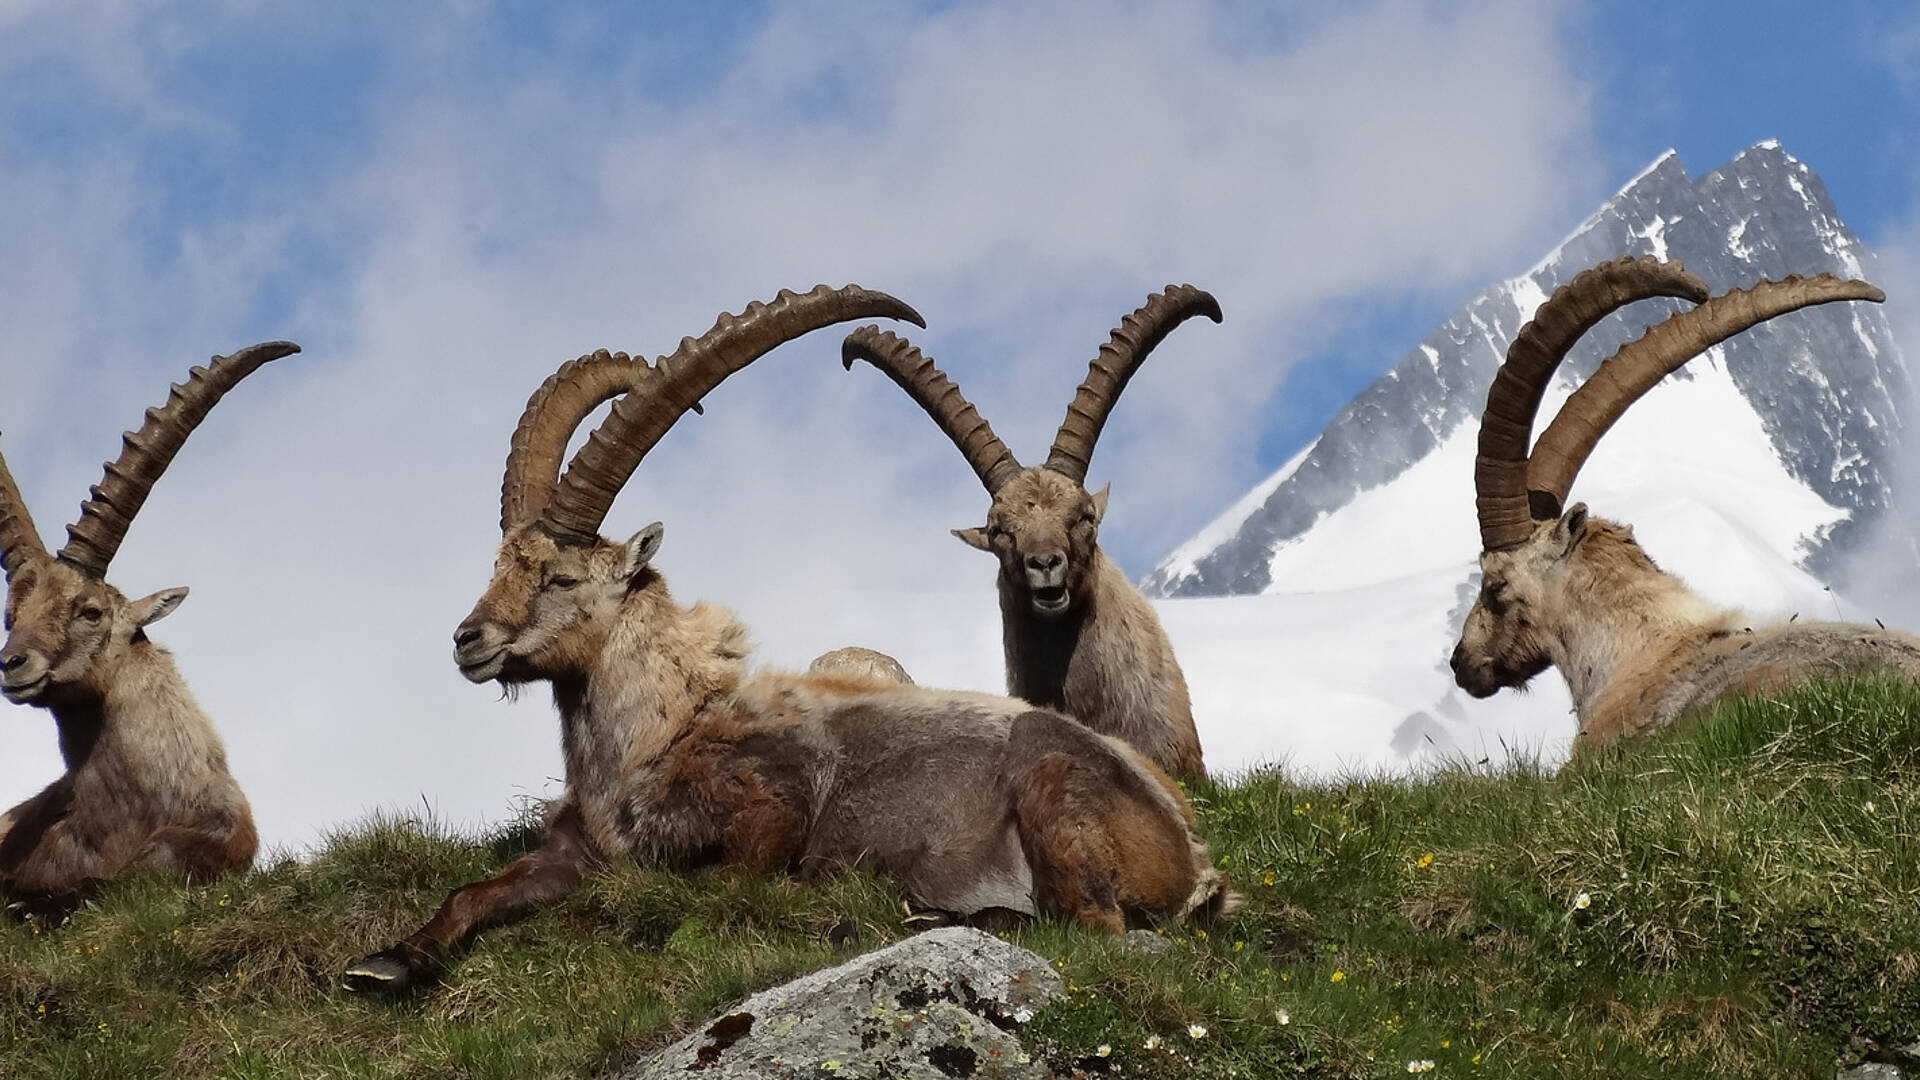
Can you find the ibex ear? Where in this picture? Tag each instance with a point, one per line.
(1571, 526)
(643, 547)
(975, 537)
(1100, 503)
(151, 609)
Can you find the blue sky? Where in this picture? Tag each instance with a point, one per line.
(441, 202)
(253, 112)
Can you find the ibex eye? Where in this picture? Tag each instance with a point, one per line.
(91, 614)
(562, 582)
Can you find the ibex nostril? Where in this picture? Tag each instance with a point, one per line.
(466, 636)
(14, 662)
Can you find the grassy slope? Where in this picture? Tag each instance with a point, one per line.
(1750, 887)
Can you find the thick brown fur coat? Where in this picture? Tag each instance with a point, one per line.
(677, 755)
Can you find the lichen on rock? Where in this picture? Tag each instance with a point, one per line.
(946, 1003)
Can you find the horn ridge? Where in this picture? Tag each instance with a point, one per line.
(642, 417)
(1127, 347)
(941, 399)
(95, 537)
(1513, 397)
(1640, 364)
(553, 413)
(20, 542)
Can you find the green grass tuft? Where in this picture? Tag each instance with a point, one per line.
(1739, 898)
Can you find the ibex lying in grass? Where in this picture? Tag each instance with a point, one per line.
(676, 754)
(1636, 646)
(146, 782)
(1078, 636)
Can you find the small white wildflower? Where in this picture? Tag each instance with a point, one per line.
(1152, 1043)
(1582, 902)
(1420, 1066)
(1103, 1050)
(1021, 1016)
(1282, 1017)
(1196, 1031)
(1869, 806)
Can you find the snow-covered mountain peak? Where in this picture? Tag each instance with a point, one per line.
(1827, 383)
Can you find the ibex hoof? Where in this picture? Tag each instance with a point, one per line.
(390, 971)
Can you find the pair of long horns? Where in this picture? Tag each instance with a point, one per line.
(1515, 489)
(652, 398)
(112, 504)
(1126, 349)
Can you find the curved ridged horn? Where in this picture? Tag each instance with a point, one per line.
(551, 415)
(19, 540)
(639, 420)
(930, 388)
(1640, 364)
(105, 516)
(1506, 425)
(1126, 349)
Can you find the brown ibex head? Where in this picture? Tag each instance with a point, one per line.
(1043, 524)
(557, 585)
(66, 627)
(1540, 565)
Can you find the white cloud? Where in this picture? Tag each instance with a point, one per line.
(1023, 176)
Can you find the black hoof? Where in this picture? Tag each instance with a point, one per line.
(391, 971)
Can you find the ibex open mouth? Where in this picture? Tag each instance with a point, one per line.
(1050, 599)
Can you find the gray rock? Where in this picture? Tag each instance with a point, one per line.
(1872, 1070)
(946, 1003)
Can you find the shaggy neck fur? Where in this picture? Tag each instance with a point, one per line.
(1621, 624)
(139, 723)
(656, 670)
(1107, 663)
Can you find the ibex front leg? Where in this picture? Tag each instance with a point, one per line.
(563, 860)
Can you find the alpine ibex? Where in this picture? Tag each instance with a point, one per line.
(1636, 646)
(146, 782)
(1078, 636)
(676, 754)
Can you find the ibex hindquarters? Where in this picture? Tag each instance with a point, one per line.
(1110, 837)
(1737, 661)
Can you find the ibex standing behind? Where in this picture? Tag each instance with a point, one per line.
(676, 754)
(146, 782)
(1078, 636)
(1636, 646)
